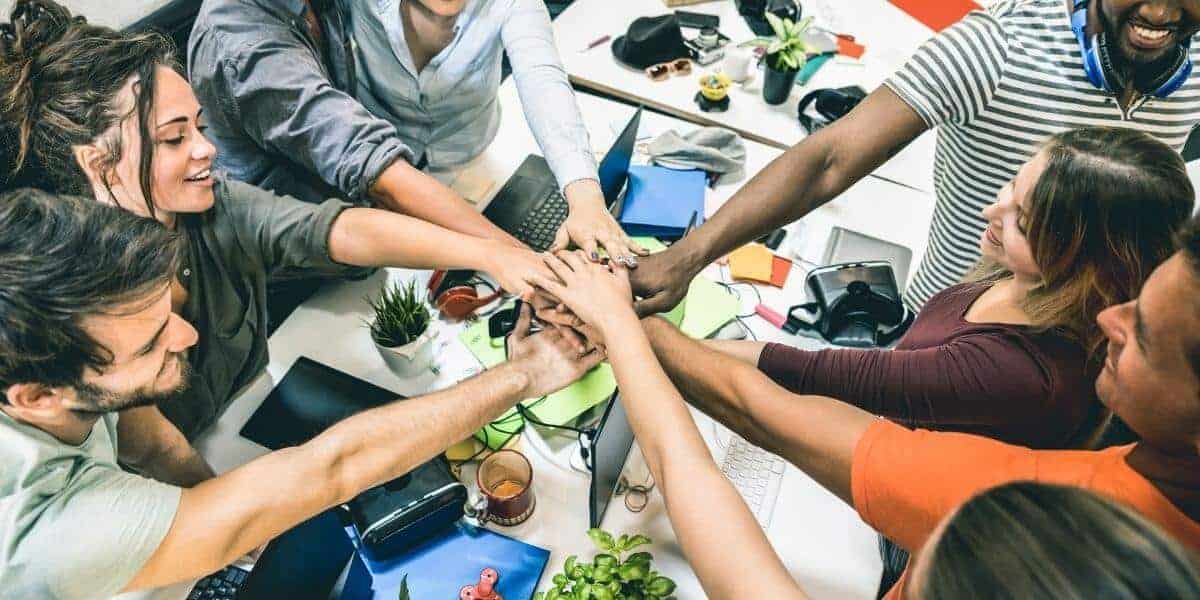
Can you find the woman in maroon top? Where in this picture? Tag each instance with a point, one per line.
(1013, 353)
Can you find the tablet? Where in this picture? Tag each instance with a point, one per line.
(310, 398)
(609, 450)
(846, 246)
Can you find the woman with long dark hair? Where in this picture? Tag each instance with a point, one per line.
(88, 110)
(1012, 352)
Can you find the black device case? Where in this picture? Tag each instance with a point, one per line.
(404, 512)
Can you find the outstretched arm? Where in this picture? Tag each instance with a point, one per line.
(815, 433)
(224, 517)
(808, 175)
(676, 454)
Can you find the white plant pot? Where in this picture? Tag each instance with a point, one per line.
(412, 358)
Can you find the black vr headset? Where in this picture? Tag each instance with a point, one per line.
(827, 105)
(857, 305)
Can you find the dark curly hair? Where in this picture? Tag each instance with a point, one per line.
(60, 84)
(62, 259)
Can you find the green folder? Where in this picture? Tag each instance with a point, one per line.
(707, 307)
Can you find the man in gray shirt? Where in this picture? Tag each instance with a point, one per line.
(87, 332)
(309, 97)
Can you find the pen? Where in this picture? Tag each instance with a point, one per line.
(691, 223)
(597, 42)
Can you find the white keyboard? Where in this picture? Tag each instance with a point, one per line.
(756, 474)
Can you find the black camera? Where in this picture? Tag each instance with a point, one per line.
(856, 305)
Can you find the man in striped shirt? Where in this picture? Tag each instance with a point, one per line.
(995, 85)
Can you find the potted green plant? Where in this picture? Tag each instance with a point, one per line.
(786, 54)
(612, 574)
(400, 329)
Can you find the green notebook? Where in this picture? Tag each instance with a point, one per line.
(706, 308)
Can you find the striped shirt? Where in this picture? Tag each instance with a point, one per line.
(998, 83)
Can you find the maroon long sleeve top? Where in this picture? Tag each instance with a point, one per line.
(1008, 382)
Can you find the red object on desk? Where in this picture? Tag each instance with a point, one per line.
(780, 267)
(936, 14)
(848, 47)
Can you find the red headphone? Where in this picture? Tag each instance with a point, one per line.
(455, 293)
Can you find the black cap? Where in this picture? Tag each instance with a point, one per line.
(649, 41)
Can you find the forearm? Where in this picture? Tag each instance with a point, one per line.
(809, 174)
(747, 351)
(403, 189)
(368, 237)
(154, 447)
(815, 433)
(225, 517)
(704, 377)
(681, 464)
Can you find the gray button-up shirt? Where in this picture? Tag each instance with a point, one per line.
(248, 238)
(284, 106)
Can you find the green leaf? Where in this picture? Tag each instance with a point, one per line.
(569, 564)
(777, 25)
(661, 586)
(605, 560)
(603, 574)
(539, 596)
(632, 571)
(602, 593)
(643, 557)
(637, 540)
(404, 589)
(622, 543)
(560, 580)
(602, 539)
(553, 595)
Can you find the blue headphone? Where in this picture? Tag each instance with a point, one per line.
(1098, 65)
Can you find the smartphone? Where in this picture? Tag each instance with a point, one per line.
(694, 20)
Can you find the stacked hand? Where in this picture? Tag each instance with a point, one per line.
(597, 295)
(591, 227)
(549, 360)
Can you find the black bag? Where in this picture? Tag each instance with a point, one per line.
(857, 305)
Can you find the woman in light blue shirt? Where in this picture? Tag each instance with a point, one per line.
(313, 97)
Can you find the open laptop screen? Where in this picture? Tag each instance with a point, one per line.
(614, 169)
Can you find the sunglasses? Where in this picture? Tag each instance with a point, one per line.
(456, 293)
(662, 71)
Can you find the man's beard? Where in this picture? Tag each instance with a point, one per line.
(95, 400)
(1134, 64)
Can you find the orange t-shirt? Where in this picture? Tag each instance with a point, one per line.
(904, 481)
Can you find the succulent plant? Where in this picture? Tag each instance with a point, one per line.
(610, 575)
(401, 315)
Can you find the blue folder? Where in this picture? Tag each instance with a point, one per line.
(440, 567)
(660, 202)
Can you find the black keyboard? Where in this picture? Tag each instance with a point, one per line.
(222, 585)
(542, 223)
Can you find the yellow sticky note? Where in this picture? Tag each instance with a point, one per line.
(752, 262)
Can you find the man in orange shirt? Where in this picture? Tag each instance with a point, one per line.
(903, 482)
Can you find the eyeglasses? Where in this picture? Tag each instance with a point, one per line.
(662, 71)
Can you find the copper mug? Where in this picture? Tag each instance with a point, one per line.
(505, 479)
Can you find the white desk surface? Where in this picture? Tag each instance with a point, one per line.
(822, 541)
(889, 34)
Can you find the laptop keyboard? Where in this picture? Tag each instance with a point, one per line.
(542, 223)
(222, 585)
